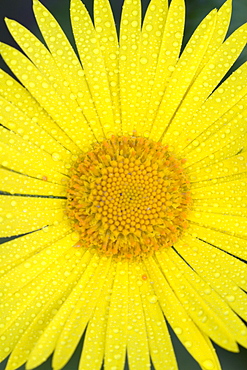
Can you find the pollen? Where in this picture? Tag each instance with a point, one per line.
(128, 197)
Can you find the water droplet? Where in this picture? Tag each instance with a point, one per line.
(208, 364)
(134, 24)
(143, 60)
(178, 331)
(153, 299)
(188, 344)
(149, 27)
(75, 236)
(55, 156)
(230, 298)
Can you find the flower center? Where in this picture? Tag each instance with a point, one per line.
(128, 197)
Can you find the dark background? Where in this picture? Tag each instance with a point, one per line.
(21, 10)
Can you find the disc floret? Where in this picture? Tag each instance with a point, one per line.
(128, 197)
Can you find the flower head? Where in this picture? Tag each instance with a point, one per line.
(124, 170)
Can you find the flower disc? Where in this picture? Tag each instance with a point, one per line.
(128, 197)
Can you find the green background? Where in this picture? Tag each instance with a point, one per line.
(21, 10)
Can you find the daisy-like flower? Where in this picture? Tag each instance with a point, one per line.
(123, 172)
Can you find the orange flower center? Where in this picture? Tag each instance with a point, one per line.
(128, 197)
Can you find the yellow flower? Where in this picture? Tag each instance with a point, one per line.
(125, 168)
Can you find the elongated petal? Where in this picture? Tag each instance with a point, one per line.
(191, 337)
(94, 344)
(152, 36)
(48, 339)
(167, 59)
(130, 33)
(56, 290)
(16, 183)
(198, 309)
(183, 76)
(220, 282)
(116, 332)
(11, 90)
(93, 64)
(159, 341)
(22, 156)
(80, 315)
(18, 250)
(107, 37)
(42, 90)
(137, 331)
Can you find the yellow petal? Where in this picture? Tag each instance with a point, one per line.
(137, 342)
(48, 299)
(77, 92)
(94, 343)
(159, 341)
(17, 250)
(182, 77)
(222, 24)
(234, 225)
(21, 156)
(108, 40)
(94, 66)
(229, 94)
(116, 332)
(16, 183)
(19, 214)
(223, 139)
(34, 265)
(130, 32)
(209, 295)
(152, 34)
(22, 125)
(230, 243)
(200, 311)
(188, 333)
(48, 339)
(229, 167)
(219, 279)
(167, 59)
(210, 76)
(41, 88)
(238, 270)
(230, 207)
(15, 93)
(81, 314)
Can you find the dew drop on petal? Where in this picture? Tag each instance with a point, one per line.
(56, 156)
(153, 299)
(178, 330)
(208, 364)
